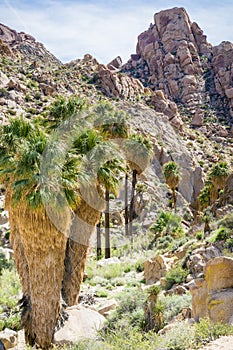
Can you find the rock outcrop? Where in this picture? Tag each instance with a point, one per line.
(199, 257)
(156, 268)
(173, 55)
(23, 45)
(213, 296)
(119, 85)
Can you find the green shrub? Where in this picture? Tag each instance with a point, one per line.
(9, 295)
(101, 293)
(206, 331)
(173, 304)
(130, 310)
(179, 337)
(176, 275)
(200, 235)
(229, 244)
(4, 263)
(221, 234)
(227, 221)
(139, 265)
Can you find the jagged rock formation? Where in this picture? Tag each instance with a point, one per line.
(23, 45)
(174, 56)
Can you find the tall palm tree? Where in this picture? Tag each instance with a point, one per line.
(86, 215)
(39, 246)
(113, 125)
(98, 238)
(172, 177)
(108, 176)
(139, 152)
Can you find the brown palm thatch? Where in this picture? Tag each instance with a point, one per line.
(42, 246)
(83, 225)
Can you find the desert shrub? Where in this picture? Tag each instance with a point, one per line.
(176, 275)
(130, 310)
(227, 221)
(179, 337)
(229, 244)
(101, 293)
(164, 242)
(200, 235)
(173, 304)
(175, 244)
(139, 265)
(9, 295)
(221, 234)
(4, 263)
(206, 331)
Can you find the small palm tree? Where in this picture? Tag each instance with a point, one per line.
(62, 109)
(216, 180)
(217, 177)
(172, 177)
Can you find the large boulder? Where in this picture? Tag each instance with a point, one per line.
(199, 297)
(156, 268)
(8, 338)
(213, 297)
(219, 273)
(82, 323)
(199, 257)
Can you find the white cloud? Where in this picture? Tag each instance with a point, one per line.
(69, 29)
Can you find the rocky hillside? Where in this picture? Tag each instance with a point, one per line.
(177, 88)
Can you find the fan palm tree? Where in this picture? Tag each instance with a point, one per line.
(86, 216)
(139, 152)
(39, 246)
(108, 176)
(113, 126)
(217, 177)
(172, 177)
(216, 180)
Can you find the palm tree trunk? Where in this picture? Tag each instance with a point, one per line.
(174, 198)
(44, 248)
(21, 267)
(83, 225)
(126, 205)
(75, 261)
(107, 226)
(98, 234)
(131, 208)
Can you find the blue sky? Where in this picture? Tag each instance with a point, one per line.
(105, 29)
